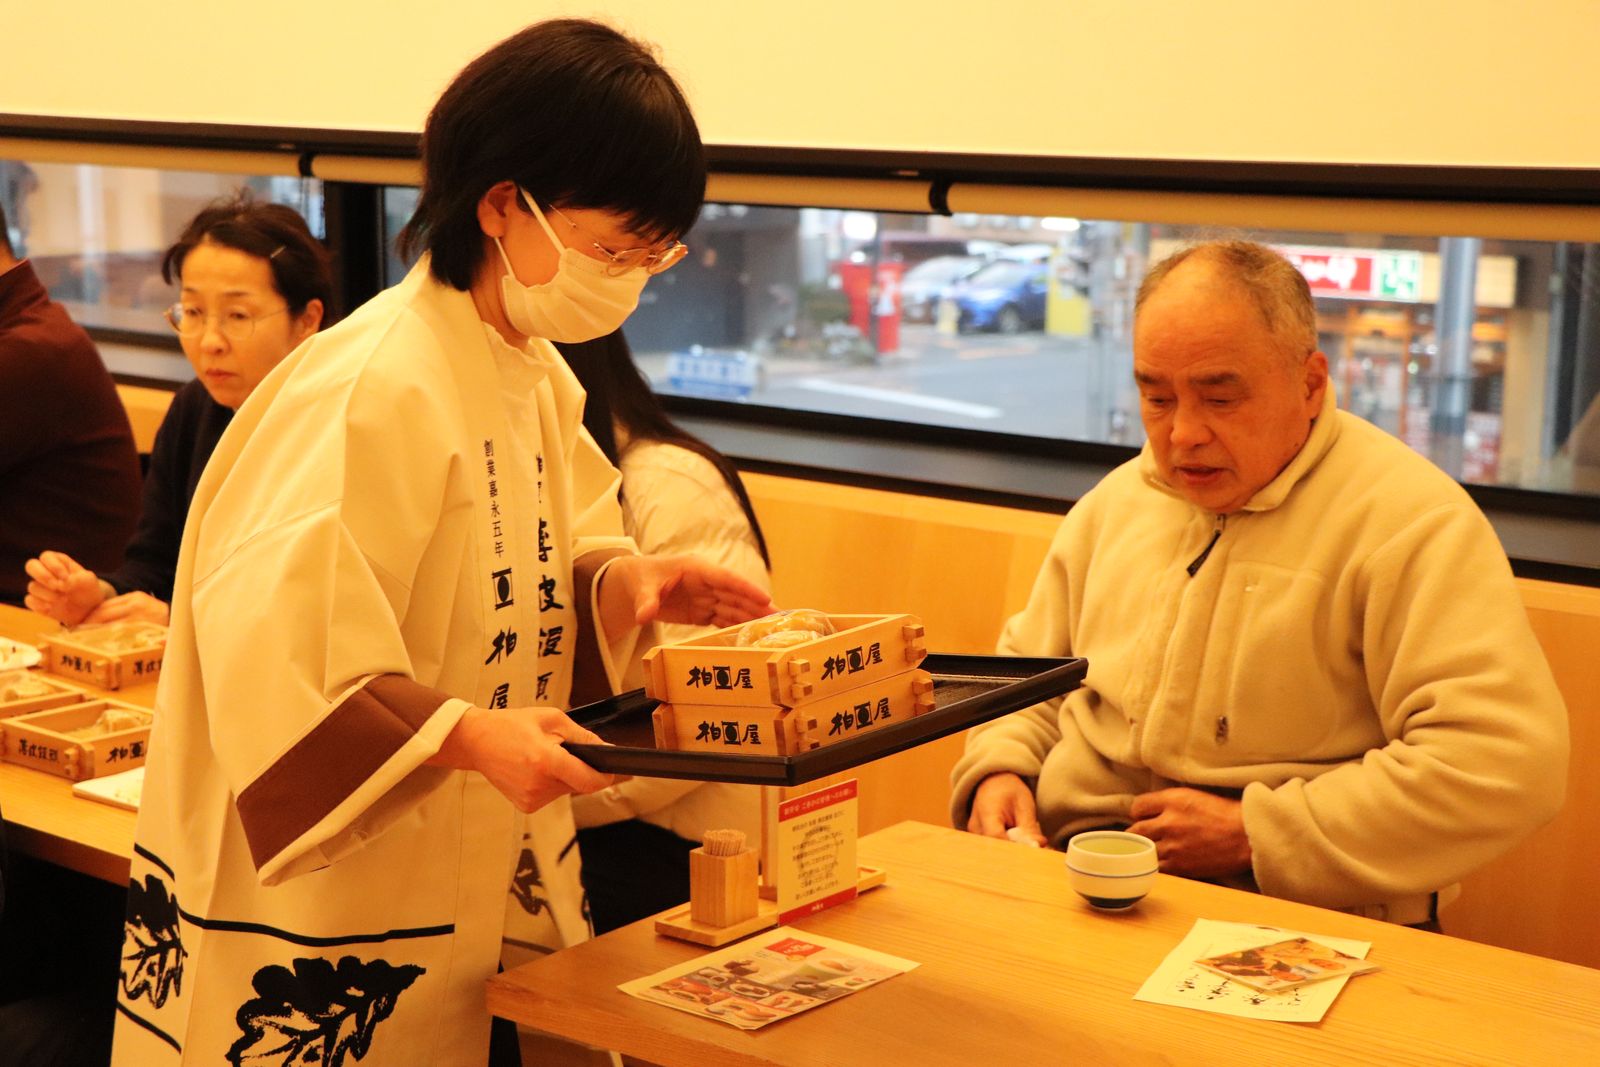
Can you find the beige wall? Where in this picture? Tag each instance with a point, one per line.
(1474, 82)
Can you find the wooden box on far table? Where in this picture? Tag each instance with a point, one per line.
(25, 691)
(80, 740)
(109, 656)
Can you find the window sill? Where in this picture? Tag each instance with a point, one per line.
(1546, 536)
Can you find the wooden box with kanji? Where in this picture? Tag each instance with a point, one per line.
(25, 691)
(833, 678)
(83, 740)
(770, 729)
(713, 670)
(109, 656)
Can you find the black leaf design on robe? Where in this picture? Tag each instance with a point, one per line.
(152, 948)
(318, 1012)
(526, 881)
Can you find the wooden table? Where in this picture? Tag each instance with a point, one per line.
(43, 818)
(1017, 969)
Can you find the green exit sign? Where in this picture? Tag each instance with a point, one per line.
(1399, 276)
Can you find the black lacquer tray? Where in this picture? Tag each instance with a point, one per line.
(967, 690)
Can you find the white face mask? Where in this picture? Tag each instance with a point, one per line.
(581, 302)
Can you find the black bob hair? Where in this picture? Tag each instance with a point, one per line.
(302, 270)
(576, 114)
(617, 390)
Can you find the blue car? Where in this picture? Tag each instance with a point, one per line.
(924, 284)
(1005, 296)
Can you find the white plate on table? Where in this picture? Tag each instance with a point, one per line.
(120, 790)
(14, 655)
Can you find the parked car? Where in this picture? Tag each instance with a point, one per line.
(924, 284)
(1031, 252)
(1005, 296)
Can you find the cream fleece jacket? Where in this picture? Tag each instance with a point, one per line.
(1352, 654)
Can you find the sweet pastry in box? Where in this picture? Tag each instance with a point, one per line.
(784, 628)
(25, 691)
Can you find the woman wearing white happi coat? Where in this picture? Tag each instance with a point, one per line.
(404, 556)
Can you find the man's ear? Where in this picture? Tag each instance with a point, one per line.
(1316, 381)
(495, 206)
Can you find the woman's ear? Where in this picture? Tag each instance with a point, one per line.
(308, 321)
(494, 206)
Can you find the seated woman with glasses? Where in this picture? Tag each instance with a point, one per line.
(253, 283)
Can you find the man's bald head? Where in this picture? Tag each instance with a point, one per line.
(1278, 291)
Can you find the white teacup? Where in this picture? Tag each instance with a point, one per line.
(1111, 869)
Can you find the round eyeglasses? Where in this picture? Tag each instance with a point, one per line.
(235, 324)
(651, 260)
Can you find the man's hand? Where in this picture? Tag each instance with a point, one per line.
(61, 588)
(1197, 834)
(519, 751)
(130, 607)
(1003, 801)
(635, 590)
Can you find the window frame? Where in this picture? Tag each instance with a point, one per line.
(351, 163)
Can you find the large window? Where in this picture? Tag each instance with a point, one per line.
(95, 235)
(1482, 354)
(1471, 351)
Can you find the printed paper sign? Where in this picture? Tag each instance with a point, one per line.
(816, 851)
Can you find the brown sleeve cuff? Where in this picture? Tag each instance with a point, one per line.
(321, 770)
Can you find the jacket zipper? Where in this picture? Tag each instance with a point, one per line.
(1221, 735)
(1216, 533)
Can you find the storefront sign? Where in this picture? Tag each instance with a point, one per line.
(1359, 273)
(1380, 275)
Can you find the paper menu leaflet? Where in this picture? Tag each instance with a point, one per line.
(1181, 981)
(767, 978)
(1286, 964)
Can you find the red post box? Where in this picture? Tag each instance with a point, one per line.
(887, 305)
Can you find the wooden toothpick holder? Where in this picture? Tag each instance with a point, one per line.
(724, 904)
(722, 889)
